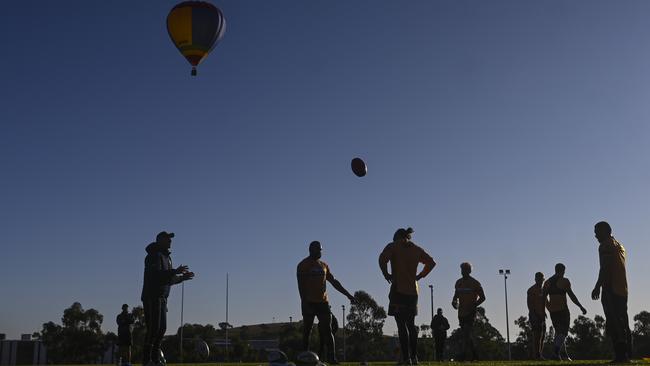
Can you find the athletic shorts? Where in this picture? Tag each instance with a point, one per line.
(124, 339)
(315, 309)
(467, 321)
(561, 321)
(537, 323)
(402, 304)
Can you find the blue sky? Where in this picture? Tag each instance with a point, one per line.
(501, 131)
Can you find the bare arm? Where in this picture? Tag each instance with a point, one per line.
(603, 258)
(429, 263)
(301, 285)
(547, 303)
(384, 257)
(337, 285)
(573, 298)
(530, 302)
(481, 297)
(454, 300)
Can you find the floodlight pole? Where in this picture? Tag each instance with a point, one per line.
(505, 273)
(182, 303)
(227, 324)
(343, 328)
(431, 288)
(433, 342)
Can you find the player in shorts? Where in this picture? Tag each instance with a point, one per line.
(612, 278)
(537, 315)
(404, 257)
(125, 322)
(467, 297)
(312, 275)
(556, 290)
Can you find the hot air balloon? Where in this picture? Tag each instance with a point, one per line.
(195, 27)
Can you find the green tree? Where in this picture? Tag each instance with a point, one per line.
(78, 340)
(110, 339)
(641, 334)
(549, 340)
(138, 333)
(489, 343)
(192, 334)
(224, 325)
(52, 337)
(426, 330)
(426, 345)
(365, 328)
(586, 339)
(522, 347)
(291, 339)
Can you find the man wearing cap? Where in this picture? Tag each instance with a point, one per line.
(404, 257)
(312, 274)
(439, 328)
(612, 278)
(468, 295)
(159, 275)
(556, 289)
(124, 322)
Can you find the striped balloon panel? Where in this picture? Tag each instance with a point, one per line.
(195, 28)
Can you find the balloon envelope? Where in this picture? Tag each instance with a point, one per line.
(195, 27)
(359, 167)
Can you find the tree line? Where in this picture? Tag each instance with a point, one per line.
(79, 338)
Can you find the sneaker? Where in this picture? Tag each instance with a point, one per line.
(568, 358)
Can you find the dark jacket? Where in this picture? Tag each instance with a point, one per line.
(159, 274)
(439, 326)
(124, 322)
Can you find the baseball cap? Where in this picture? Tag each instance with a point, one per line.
(164, 235)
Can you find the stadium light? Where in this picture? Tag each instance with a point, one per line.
(505, 273)
(182, 305)
(431, 288)
(343, 328)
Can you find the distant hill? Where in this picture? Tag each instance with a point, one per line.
(261, 331)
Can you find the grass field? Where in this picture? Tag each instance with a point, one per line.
(424, 363)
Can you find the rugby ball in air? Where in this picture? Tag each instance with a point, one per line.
(359, 167)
